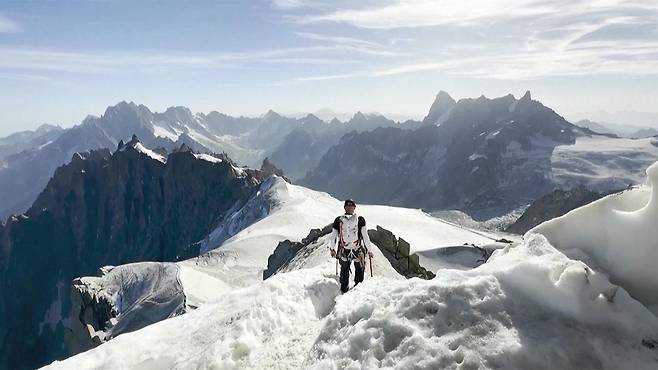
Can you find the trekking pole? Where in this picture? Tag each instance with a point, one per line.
(369, 256)
(340, 242)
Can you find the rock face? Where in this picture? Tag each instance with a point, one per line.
(552, 205)
(286, 250)
(122, 299)
(303, 148)
(103, 209)
(397, 253)
(440, 109)
(24, 175)
(491, 155)
(268, 168)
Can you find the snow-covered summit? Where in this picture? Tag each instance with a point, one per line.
(238, 251)
(528, 306)
(286, 211)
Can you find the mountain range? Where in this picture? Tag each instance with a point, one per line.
(171, 230)
(29, 159)
(484, 156)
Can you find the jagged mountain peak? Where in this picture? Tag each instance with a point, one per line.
(359, 115)
(442, 104)
(443, 95)
(526, 96)
(508, 97)
(133, 140)
(183, 148)
(46, 127)
(271, 115)
(311, 117)
(89, 119)
(121, 106)
(124, 108)
(179, 113)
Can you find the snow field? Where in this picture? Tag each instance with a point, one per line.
(619, 234)
(531, 307)
(267, 326)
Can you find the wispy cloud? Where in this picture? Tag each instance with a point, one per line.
(333, 77)
(288, 4)
(340, 40)
(425, 13)
(389, 71)
(88, 62)
(314, 61)
(422, 13)
(352, 44)
(504, 39)
(583, 59)
(25, 77)
(9, 26)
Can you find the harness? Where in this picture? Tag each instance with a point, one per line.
(359, 253)
(353, 253)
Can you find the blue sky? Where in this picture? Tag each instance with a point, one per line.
(61, 60)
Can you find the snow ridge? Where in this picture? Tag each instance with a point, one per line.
(618, 233)
(543, 302)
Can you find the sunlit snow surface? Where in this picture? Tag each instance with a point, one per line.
(529, 306)
(619, 233)
(150, 153)
(288, 211)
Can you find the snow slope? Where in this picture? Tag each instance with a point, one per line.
(619, 234)
(142, 293)
(267, 326)
(246, 239)
(529, 306)
(285, 211)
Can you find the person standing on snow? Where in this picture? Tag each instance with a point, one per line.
(349, 232)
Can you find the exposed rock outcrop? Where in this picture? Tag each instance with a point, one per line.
(286, 250)
(103, 209)
(268, 168)
(121, 300)
(397, 252)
